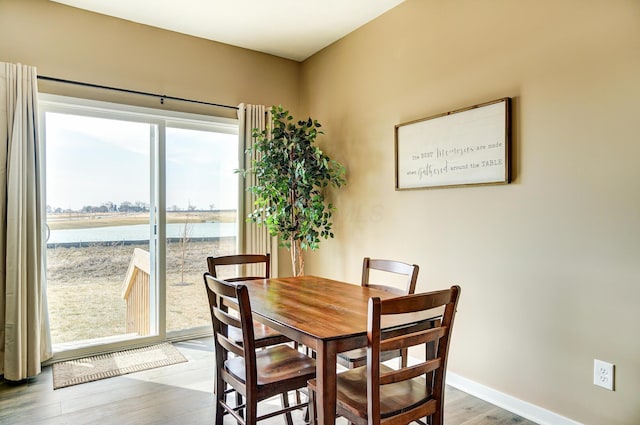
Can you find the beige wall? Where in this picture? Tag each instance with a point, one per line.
(549, 265)
(73, 44)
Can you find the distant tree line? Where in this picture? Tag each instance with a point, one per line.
(126, 207)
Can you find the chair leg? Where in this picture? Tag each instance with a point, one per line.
(404, 354)
(219, 414)
(285, 403)
(219, 396)
(312, 407)
(305, 416)
(239, 402)
(251, 412)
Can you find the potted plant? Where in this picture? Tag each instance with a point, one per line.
(291, 176)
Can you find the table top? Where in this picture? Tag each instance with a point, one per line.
(321, 308)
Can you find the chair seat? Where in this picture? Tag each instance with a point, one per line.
(264, 336)
(358, 357)
(394, 398)
(275, 365)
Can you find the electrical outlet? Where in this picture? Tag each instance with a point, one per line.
(603, 374)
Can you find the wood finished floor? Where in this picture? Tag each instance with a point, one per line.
(179, 394)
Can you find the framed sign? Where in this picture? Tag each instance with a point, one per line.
(468, 146)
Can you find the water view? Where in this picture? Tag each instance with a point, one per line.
(141, 232)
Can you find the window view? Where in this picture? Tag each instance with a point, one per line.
(202, 198)
(104, 181)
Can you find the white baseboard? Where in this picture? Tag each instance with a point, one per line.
(521, 408)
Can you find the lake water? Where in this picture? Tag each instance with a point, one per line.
(140, 232)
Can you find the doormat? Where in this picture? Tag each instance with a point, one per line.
(93, 368)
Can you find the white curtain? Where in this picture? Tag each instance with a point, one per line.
(24, 332)
(255, 239)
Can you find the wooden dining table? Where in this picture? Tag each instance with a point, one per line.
(326, 315)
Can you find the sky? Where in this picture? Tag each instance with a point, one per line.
(92, 161)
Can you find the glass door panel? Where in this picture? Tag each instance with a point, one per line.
(201, 217)
(98, 196)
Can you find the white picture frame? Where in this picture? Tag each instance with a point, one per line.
(465, 147)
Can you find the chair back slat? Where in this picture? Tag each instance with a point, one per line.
(230, 345)
(412, 339)
(416, 302)
(242, 278)
(388, 288)
(227, 319)
(228, 260)
(410, 372)
(220, 289)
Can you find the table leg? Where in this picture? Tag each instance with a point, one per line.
(326, 383)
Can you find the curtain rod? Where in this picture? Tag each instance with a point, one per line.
(161, 96)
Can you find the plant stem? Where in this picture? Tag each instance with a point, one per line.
(297, 257)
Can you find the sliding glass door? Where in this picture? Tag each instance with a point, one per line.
(136, 201)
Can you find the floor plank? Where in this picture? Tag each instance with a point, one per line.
(176, 394)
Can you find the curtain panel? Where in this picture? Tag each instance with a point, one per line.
(255, 239)
(24, 333)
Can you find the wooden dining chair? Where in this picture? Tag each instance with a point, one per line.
(236, 268)
(358, 357)
(391, 266)
(264, 336)
(377, 394)
(255, 374)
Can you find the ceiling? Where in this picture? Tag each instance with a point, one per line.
(292, 29)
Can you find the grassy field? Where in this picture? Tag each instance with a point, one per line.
(84, 285)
